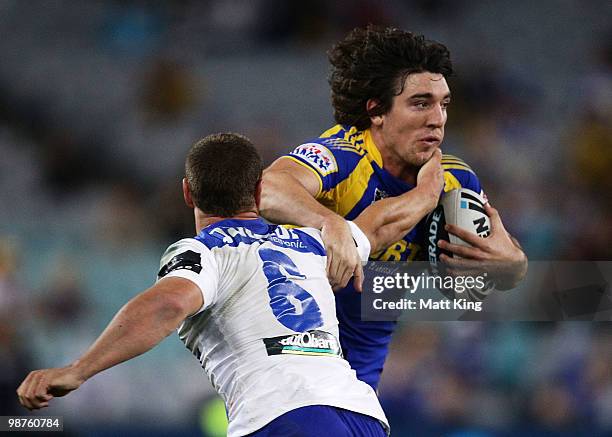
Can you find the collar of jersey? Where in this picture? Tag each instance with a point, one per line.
(395, 185)
(257, 223)
(370, 146)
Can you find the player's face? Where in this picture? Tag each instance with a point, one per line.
(414, 126)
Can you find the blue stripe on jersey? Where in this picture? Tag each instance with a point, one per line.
(232, 232)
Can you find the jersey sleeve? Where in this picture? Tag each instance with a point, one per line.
(330, 163)
(190, 259)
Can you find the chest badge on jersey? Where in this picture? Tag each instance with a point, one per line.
(315, 342)
(380, 194)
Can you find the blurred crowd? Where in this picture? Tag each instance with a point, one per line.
(500, 379)
(99, 101)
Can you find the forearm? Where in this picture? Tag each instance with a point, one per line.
(389, 220)
(285, 200)
(139, 326)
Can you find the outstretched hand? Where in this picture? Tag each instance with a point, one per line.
(40, 386)
(499, 255)
(343, 260)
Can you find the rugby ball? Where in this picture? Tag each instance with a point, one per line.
(464, 208)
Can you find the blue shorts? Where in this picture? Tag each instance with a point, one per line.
(322, 420)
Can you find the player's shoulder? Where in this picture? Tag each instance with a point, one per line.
(183, 254)
(452, 162)
(341, 141)
(458, 174)
(183, 244)
(343, 138)
(338, 149)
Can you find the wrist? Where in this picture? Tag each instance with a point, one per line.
(80, 371)
(429, 196)
(330, 219)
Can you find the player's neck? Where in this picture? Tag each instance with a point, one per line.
(393, 163)
(203, 219)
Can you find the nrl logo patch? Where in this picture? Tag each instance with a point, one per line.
(379, 194)
(318, 156)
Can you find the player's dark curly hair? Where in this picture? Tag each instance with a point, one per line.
(222, 171)
(372, 63)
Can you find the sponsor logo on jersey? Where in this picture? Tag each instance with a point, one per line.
(312, 342)
(318, 156)
(188, 260)
(282, 236)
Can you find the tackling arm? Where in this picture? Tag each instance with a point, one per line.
(138, 327)
(288, 196)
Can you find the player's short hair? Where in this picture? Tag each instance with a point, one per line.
(372, 63)
(222, 171)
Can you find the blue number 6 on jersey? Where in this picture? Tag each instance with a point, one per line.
(293, 306)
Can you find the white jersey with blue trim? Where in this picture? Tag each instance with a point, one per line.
(267, 334)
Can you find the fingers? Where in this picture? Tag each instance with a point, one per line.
(24, 390)
(329, 261)
(342, 273)
(496, 223)
(462, 267)
(342, 256)
(338, 271)
(437, 155)
(32, 392)
(21, 392)
(41, 389)
(463, 251)
(358, 275)
(467, 236)
(334, 272)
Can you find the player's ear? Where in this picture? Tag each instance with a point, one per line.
(187, 194)
(375, 118)
(258, 193)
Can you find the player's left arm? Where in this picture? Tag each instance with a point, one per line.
(388, 220)
(139, 326)
(500, 254)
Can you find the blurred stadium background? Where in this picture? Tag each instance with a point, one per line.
(100, 100)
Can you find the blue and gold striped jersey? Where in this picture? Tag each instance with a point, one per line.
(351, 176)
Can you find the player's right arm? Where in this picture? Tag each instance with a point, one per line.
(289, 196)
(138, 327)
